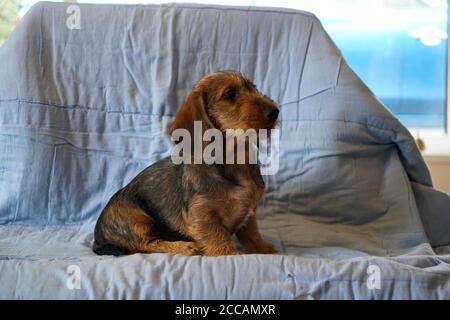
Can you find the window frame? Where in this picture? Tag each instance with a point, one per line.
(437, 141)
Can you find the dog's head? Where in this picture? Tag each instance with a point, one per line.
(226, 100)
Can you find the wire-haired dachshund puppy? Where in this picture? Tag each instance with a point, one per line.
(195, 209)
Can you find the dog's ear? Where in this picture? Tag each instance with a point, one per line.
(194, 109)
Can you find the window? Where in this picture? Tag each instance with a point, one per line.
(397, 47)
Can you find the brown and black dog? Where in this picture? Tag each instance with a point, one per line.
(195, 209)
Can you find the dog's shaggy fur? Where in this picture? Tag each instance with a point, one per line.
(194, 209)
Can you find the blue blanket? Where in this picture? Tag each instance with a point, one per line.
(84, 109)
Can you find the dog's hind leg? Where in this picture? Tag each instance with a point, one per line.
(188, 248)
(128, 229)
(145, 241)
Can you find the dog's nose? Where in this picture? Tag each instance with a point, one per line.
(272, 113)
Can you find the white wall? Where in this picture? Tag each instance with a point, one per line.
(440, 171)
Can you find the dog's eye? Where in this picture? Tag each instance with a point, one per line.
(231, 94)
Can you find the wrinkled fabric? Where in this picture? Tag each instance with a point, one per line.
(82, 111)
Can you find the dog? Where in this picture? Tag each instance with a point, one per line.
(195, 209)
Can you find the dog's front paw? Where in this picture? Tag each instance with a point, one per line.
(220, 251)
(189, 249)
(264, 247)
